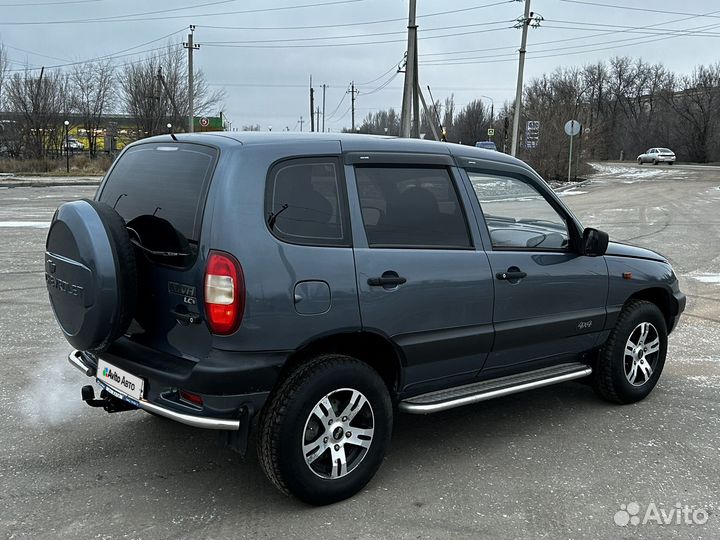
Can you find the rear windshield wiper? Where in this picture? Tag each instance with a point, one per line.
(136, 242)
(272, 217)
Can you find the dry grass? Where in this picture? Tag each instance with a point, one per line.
(79, 165)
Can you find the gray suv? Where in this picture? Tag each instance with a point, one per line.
(314, 286)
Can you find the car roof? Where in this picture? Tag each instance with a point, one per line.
(350, 142)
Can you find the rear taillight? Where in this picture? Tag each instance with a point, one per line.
(224, 293)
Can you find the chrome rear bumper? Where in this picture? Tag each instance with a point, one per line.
(77, 360)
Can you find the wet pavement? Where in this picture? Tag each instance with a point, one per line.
(551, 463)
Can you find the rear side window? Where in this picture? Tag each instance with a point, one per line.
(167, 181)
(305, 202)
(411, 207)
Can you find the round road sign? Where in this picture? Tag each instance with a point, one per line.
(204, 122)
(572, 127)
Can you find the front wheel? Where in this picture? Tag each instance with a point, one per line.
(670, 162)
(640, 162)
(324, 432)
(631, 361)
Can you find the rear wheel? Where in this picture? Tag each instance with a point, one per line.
(640, 162)
(631, 361)
(670, 162)
(323, 433)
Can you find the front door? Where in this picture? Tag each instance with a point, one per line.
(422, 282)
(549, 299)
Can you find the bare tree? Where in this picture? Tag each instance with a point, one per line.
(696, 101)
(93, 96)
(155, 92)
(39, 102)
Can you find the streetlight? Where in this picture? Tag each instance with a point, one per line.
(492, 111)
(67, 146)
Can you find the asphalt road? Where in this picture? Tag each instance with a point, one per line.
(552, 463)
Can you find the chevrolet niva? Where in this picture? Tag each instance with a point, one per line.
(312, 286)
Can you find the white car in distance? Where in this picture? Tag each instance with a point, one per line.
(657, 155)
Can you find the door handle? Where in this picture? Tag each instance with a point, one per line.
(385, 281)
(511, 274)
(388, 279)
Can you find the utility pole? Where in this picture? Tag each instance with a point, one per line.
(323, 113)
(317, 121)
(409, 101)
(528, 19)
(190, 46)
(312, 106)
(352, 103)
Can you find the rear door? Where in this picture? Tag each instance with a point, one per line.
(549, 300)
(160, 190)
(423, 279)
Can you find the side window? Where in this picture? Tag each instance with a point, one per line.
(517, 215)
(411, 207)
(303, 202)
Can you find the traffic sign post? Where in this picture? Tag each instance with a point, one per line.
(532, 133)
(491, 132)
(572, 128)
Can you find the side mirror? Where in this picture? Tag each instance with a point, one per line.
(594, 242)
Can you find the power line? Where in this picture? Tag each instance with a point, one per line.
(136, 17)
(460, 61)
(109, 57)
(62, 3)
(564, 40)
(646, 10)
(345, 25)
(373, 34)
(379, 42)
(688, 32)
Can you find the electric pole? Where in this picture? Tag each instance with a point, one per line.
(323, 113)
(527, 20)
(352, 103)
(312, 106)
(190, 46)
(317, 121)
(409, 101)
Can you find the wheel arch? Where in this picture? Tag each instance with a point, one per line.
(374, 349)
(662, 298)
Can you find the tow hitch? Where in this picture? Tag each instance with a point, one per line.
(110, 403)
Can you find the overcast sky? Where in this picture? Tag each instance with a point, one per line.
(266, 80)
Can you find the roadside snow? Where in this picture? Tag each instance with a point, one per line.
(29, 224)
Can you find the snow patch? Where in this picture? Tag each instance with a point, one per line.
(707, 278)
(29, 224)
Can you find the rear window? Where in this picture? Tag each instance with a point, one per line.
(168, 181)
(411, 207)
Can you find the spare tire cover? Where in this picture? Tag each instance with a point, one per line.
(90, 274)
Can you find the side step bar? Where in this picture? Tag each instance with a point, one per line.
(484, 390)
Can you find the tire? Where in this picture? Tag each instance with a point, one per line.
(627, 371)
(295, 423)
(640, 162)
(670, 162)
(655, 162)
(91, 274)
